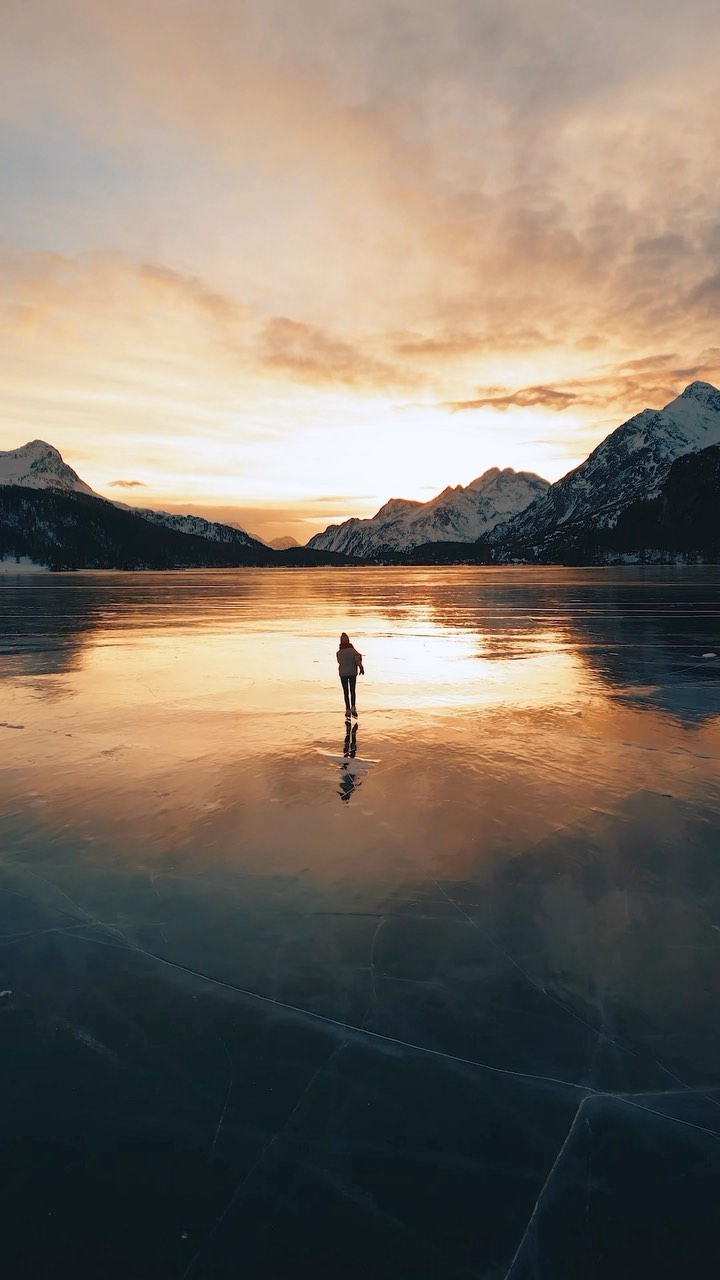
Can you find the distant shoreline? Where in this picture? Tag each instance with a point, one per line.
(31, 570)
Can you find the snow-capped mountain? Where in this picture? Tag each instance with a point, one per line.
(630, 465)
(38, 465)
(283, 543)
(460, 514)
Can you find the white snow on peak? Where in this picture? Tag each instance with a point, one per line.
(456, 514)
(695, 410)
(702, 392)
(283, 543)
(38, 465)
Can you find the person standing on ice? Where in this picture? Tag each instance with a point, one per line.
(349, 664)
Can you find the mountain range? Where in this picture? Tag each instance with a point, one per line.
(652, 485)
(455, 515)
(520, 516)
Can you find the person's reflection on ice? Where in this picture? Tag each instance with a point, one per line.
(349, 781)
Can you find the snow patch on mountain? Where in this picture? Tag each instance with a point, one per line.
(459, 514)
(197, 525)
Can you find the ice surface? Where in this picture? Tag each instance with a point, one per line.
(434, 996)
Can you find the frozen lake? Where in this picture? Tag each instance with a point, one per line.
(435, 999)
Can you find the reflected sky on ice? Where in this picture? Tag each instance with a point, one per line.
(359, 981)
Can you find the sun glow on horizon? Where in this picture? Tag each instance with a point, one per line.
(351, 449)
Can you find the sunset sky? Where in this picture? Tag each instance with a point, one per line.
(280, 260)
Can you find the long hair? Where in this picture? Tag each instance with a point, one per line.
(344, 641)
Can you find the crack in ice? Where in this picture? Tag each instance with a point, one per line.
(227, 1099)
(528, 977)
(258, 1162)
(595, 1097)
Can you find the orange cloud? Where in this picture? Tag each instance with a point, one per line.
(625, 388)
(526, 398)
(191, 289)
(313, 355)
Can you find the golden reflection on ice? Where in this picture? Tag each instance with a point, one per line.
(419, 665)
(201, 716)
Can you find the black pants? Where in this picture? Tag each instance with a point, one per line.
(348, 684)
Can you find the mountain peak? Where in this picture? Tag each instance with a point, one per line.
(704, 392)
(283, 543)
(39, 465)
(40, 445)
(486, 478)
(34, 449)
(394, 507)
(505, 475)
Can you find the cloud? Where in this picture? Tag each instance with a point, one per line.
(40, 284)
(706, 294)
(650, 363)
(442, 346)
(650, 381)
(314, 355)
(337, 499)
(401, 155)
(477, 202)
(221, 307)
(126, 484)
(411, 347)
(526, 398)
